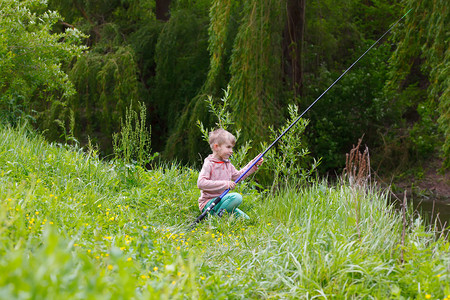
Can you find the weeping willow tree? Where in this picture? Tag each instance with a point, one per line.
(107, 77)
(245, 45)
(420, 76)
(256, 86)
(181, 60)
(222, 31)
(107, 85)
(185, 141)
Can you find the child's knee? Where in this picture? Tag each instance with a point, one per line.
(233, 200)
(237, 199)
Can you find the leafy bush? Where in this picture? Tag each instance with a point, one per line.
(288, 161)
(225, 121)
(31, 58)
(354, 107)
(132, 145)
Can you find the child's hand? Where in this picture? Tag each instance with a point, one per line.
(259, 161)
(231, 185)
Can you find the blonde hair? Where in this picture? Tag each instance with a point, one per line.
(220, 136)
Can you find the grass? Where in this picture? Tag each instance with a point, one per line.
(78, 227)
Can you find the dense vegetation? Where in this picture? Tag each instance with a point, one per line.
(76, 227)
(75, 67)
(104, 108)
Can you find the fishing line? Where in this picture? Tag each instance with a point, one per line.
(217, 200)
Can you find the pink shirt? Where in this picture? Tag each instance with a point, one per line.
(215, 176)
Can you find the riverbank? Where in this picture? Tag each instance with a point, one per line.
(428, 190)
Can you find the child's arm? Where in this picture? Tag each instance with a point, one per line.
(236, 174)
(205, 183)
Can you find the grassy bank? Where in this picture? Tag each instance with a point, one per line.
(77, 227)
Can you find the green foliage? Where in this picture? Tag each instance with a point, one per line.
(108, 78)
(207, 45)
(181, 60)
(222, 31)
(255, 69)
(107, 84)
(224, 120)
(354, 107)
(31, 59)
(288, 161)
(184, 142)
(330, 35)
(71, 226)
(421, 63)
(337, 34)
(283, 164)
(132, 145)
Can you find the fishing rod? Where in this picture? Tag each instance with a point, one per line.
(217, 200)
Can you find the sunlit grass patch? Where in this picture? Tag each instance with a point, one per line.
(73, 225)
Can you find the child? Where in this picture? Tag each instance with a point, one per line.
(218, 174)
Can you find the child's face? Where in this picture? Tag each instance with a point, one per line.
(224, 151)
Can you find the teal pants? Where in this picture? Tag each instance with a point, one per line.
(229, 202)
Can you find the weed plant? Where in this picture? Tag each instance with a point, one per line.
(76, 227)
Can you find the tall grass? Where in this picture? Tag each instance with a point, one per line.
(78, 227)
